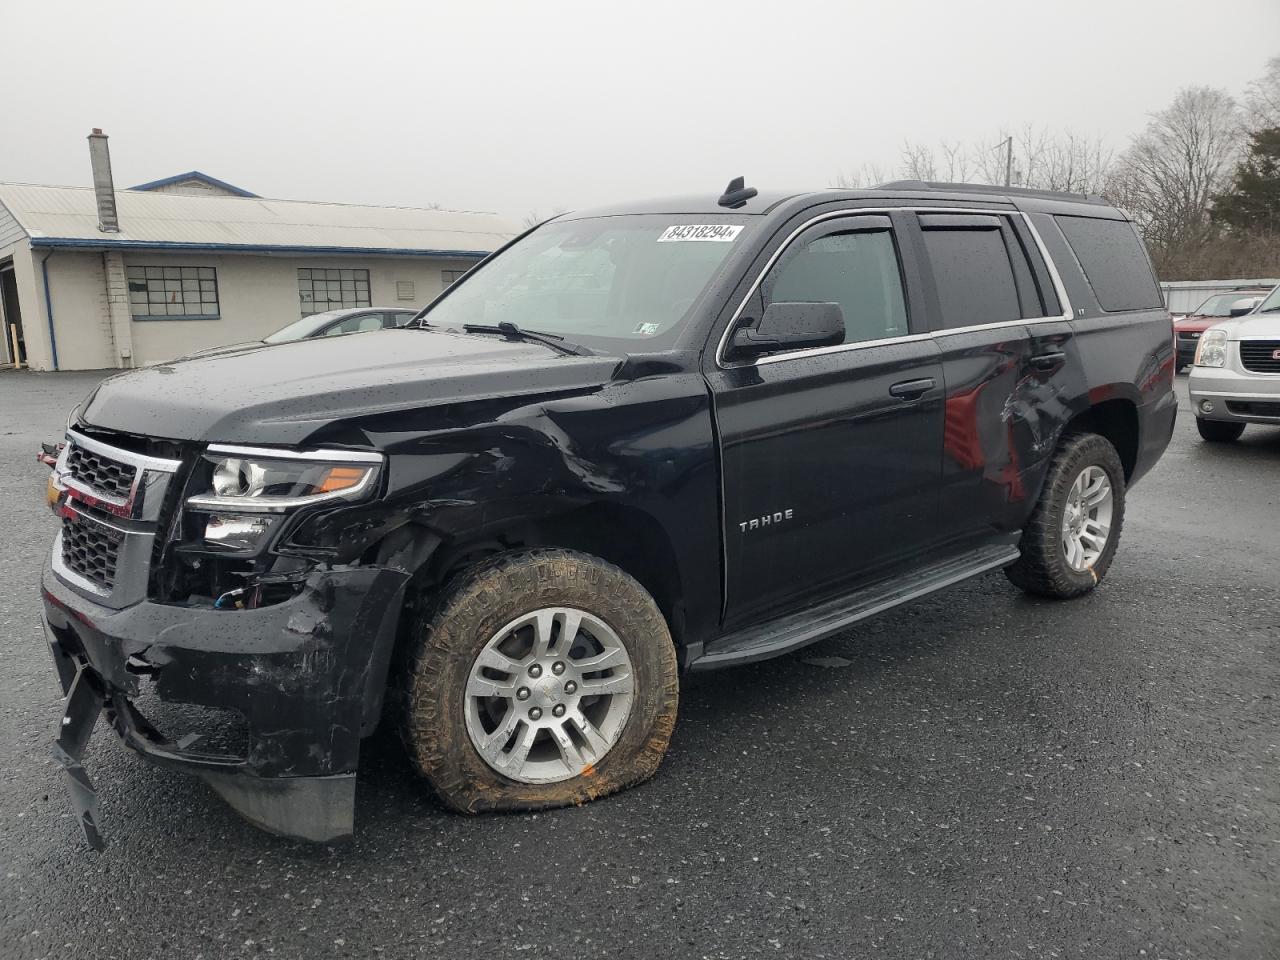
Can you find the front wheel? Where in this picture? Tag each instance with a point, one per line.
(540, 679)
(1071, 539)
(1219, 431)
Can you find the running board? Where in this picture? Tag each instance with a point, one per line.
(761, 641)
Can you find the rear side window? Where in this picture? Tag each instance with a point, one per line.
(971, 270)
(1114, 262)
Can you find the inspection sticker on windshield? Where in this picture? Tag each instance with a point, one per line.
(718, 232)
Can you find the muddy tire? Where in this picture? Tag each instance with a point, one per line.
(1219, 431)
(527, 627)
(1069, 542)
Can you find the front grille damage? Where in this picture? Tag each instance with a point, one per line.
(100, 473)
(113, 500)
(90, 549)
(268, 705)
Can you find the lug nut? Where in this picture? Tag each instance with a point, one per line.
(558, 710)
(557, 668)
(535, 671)
(522, 693)
(535, 713)
(570, 687)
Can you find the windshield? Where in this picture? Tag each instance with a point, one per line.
(1272, 303)
(300, 329)
(627, 277)
(1219, 305)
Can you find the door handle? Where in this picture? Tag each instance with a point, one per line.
(912, 389)
(1048, 361)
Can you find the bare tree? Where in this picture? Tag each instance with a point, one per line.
(1066, 161)
(867, 175)
(988, 157)
(918, 162)
(1262, 98)
(955, 161)
(1045, 161)
(1172, 170)
(1073, 163)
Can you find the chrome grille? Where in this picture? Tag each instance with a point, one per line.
(91, 549)
(1260, 356)
(100, 472)
(114, 499)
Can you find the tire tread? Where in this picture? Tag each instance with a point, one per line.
(439, 637)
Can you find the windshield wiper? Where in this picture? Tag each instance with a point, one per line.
(512, 332)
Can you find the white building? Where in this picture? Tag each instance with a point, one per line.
(91, 277)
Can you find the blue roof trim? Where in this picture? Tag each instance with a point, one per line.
(92, 244)
(197, 175)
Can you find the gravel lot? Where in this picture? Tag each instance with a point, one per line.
(977, 775)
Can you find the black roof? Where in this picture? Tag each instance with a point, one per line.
(767, 201)
(991, 190)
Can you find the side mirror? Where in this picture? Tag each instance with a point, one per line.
(791, 326)
(1244, 305)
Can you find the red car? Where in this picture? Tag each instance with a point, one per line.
(1187, 329)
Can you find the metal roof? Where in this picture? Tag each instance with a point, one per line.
(68, 217)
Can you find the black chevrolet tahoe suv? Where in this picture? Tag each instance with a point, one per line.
(636, 441)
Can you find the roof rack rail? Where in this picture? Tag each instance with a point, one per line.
(989, 188)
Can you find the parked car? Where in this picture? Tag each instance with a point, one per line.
(1189, 328)
(1236, 377)
(680, 435)
(331, 323)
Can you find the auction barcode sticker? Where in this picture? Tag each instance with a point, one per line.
(719, 232)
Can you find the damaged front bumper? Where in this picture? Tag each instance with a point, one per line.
(290, 688)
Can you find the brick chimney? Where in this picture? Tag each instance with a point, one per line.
(100, 158)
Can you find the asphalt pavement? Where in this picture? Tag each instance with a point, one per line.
(979, 774)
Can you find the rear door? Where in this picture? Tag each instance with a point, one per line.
(830, 455)
(984, 295)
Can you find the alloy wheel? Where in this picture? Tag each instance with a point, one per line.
(549, 695)
(1086, 520)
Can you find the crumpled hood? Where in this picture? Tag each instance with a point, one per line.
(284, 393)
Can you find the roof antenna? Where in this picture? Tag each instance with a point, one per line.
(736, 194)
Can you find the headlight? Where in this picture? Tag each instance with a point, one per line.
(1212, 349)
(259, 480)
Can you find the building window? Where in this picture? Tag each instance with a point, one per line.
(450, 276)
(321, 290)
(404, 290)
(173, 293)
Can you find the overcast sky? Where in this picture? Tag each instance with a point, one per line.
(521, 106)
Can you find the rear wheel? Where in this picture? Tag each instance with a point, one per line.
(1219, 431)
(540, 679)
(1069, 543)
